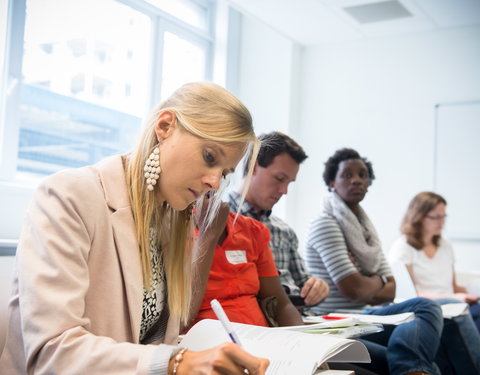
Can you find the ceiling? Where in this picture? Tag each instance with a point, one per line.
(311, 22)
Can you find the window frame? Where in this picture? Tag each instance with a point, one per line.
(13, 59)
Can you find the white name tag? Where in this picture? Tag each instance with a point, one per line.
(236, 256)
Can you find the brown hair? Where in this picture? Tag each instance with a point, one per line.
(412, 223)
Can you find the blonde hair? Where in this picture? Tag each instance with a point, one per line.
(412, 223)
(210, 112)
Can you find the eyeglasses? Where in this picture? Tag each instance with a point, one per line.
(439, 217)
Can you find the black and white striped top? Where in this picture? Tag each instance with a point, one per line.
(327, 257)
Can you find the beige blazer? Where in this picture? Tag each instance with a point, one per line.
(77, 295)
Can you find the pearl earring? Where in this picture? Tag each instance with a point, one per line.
(152, 169)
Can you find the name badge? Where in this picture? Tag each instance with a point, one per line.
(236, 256)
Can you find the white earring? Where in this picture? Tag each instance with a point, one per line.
(152, 169)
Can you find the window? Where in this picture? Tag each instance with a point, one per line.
(183, 59)
(193, 13)
(81, 75)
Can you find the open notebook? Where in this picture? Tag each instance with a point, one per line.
(289, 352)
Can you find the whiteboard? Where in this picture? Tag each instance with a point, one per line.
(457, 166)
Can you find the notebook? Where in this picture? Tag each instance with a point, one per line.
(289, 352)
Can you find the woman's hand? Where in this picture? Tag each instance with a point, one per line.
(465, 297)
(225, 359)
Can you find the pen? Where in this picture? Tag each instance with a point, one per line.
(218, 310)
(330, 317)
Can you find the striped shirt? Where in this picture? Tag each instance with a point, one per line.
(327, 257)
(283, 242)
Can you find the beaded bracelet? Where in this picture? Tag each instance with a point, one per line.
(178, 359)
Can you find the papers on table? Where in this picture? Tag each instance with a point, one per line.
(318, 322)
(346, 327)
(393, 319)
(451, 310)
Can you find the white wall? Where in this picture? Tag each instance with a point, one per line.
(265, 79)
(268, 80)
(378, 97)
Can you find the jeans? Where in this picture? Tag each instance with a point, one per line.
(459, 351)
(410, 346)
(475, 311)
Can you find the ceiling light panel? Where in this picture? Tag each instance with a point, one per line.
(377, 12)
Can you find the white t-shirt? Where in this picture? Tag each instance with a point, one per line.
(430, 275)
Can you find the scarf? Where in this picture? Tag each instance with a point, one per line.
(360, 235)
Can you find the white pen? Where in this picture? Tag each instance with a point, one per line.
(218, 310)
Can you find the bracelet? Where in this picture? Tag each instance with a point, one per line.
(384, 279)
(178, 359)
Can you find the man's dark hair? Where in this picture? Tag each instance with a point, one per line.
(331, 165)
(273, 144)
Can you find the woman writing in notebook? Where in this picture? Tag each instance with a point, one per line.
(427, 255)
(343, 248)
(107, 273)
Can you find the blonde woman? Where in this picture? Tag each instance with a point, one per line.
(107, 272)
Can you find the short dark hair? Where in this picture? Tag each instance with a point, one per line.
(276, 143)
(331, 165)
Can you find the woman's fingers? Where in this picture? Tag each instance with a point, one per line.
(225, 359)
(245, 361)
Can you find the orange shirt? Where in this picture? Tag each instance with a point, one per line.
(238, 263)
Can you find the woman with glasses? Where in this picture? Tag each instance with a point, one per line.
(427, 255)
